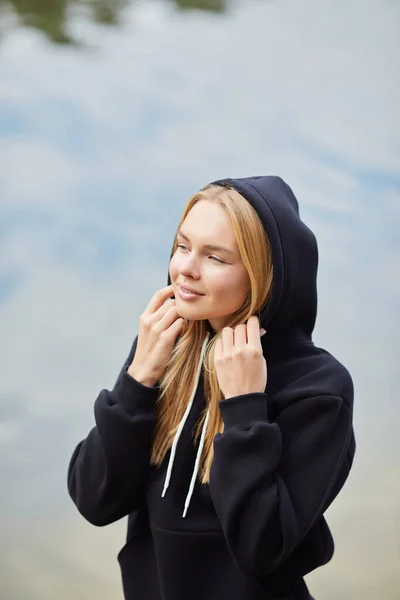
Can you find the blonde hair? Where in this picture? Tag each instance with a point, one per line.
(179, 377)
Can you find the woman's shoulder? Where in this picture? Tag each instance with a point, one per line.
(310, 371)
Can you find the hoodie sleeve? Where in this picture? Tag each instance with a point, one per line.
(271, 482)
(107, 469)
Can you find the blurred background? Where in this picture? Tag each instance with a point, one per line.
(112, 113)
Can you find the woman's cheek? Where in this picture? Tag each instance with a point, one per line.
(173, 270)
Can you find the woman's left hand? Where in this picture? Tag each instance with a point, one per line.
(240, 365)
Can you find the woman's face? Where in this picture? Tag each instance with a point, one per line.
(208, 262)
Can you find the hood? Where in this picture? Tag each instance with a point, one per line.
(293, 302)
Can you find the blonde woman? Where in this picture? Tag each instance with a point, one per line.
(228, 433)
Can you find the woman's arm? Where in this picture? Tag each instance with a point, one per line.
(107, 468)
(271, 482)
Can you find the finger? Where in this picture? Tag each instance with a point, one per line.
(240, 336)
(227, 340)
(168, 318)
(253, 331)
(164, 308)
(175, 328)
(158, 298)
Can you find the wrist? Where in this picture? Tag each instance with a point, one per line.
(141, 377)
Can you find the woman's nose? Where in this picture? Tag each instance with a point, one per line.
(189, 268)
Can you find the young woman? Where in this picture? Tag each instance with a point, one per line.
(222, 443)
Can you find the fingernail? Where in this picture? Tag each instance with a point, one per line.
(262, 332)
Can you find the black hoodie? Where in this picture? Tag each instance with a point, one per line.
(258, 527)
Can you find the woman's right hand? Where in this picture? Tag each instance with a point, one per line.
(159, 327)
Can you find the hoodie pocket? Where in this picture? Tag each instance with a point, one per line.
(199, 566)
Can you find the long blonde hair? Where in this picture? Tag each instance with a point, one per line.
(179, 377)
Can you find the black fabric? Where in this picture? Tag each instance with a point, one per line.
(258, 527)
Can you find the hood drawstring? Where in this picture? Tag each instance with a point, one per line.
(178, 434)
(196, 465)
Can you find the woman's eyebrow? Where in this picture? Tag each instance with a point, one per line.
(208, 246)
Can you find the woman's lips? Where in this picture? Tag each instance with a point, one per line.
(186, 294)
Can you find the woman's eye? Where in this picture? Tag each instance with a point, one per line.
(213, 258)
(216, 259)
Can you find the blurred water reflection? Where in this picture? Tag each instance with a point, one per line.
(99, 151)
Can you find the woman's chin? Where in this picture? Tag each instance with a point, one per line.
(191, 313)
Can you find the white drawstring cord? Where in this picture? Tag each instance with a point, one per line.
(196, 465)
(183, 421)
